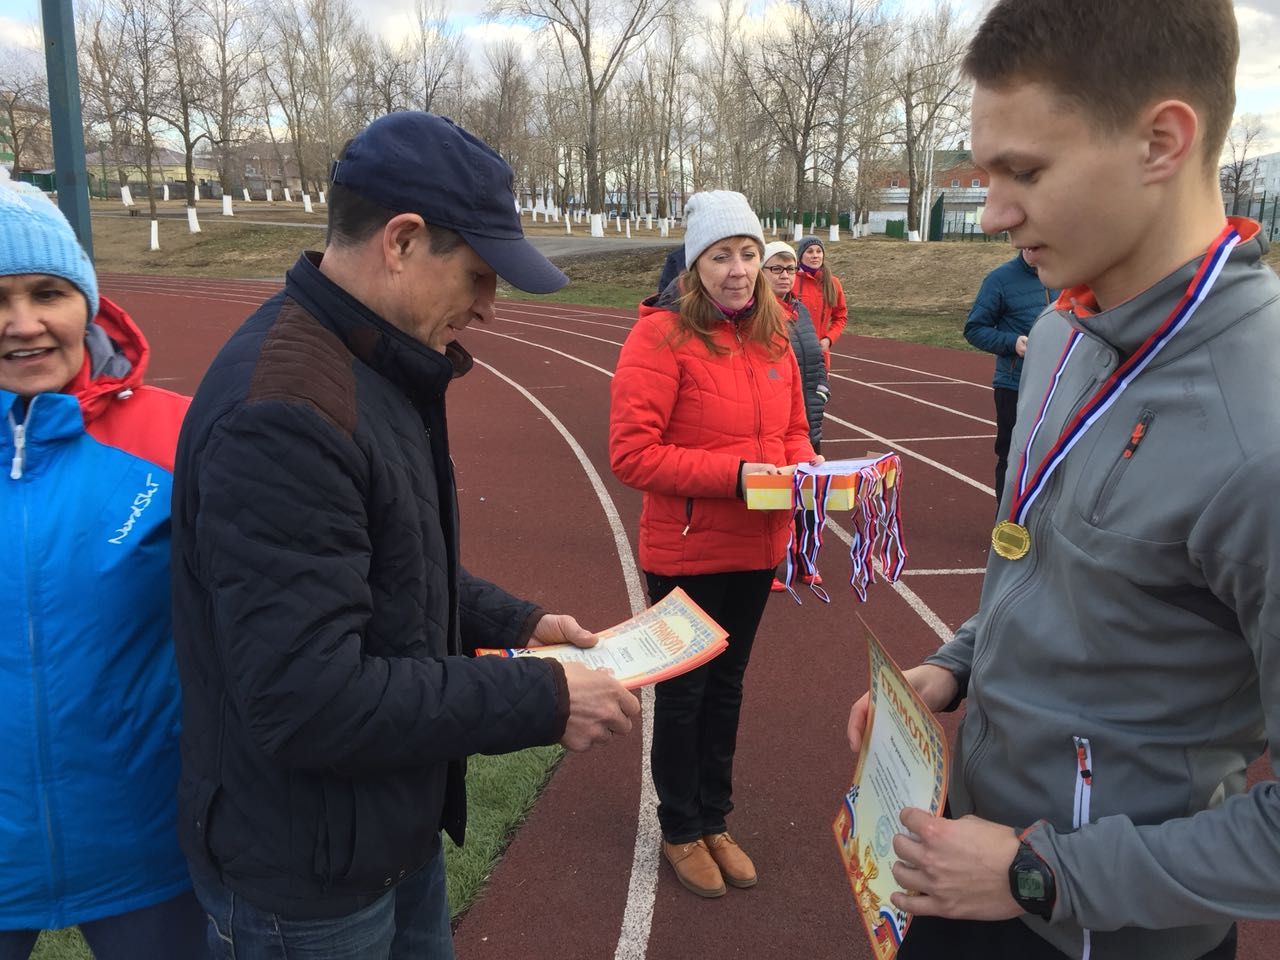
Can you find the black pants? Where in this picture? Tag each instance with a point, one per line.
(695, 716)
(933, 938)
(1006, 414)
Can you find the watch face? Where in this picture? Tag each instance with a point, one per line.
(1030, 885)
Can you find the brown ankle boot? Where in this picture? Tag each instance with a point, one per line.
(735, 866)
(695, 868)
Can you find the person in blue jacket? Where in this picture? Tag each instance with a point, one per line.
(672, 267)
(1008, 302)
(91, 707)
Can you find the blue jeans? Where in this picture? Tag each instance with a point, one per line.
(410, 923)
(174, 928)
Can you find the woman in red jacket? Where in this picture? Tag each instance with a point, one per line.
(820, 291)
(706, 391)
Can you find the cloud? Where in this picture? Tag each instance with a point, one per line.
(21, 33)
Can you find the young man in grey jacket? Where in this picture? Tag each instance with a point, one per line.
(1123, 668)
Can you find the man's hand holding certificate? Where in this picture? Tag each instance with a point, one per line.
(902, 763)
(672, 637)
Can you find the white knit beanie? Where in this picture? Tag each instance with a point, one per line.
(778, 248)
(715, 215)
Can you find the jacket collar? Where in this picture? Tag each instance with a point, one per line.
(1126, 326)
(418, 371)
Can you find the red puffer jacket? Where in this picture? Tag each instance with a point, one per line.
(829, 319)
(682, 422)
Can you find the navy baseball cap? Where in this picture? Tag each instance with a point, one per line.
(414, 162)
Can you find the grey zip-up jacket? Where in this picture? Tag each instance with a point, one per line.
(1122, 676)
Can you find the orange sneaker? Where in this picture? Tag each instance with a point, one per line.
(694, 868)
(814, 579)
(735, 866)
(778, 586)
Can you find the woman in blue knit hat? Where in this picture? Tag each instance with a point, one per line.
(821, 293)
(89, 728)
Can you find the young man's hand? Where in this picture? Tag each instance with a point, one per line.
(1020, 346)
(600, 708)
(954, 868)
(936, 685)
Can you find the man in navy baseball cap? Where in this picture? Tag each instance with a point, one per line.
(323, 619)
(413, 162)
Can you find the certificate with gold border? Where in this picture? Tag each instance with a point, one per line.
(903, 763)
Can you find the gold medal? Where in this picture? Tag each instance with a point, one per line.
(1011, 540)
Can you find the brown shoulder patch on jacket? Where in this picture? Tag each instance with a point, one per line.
(303, 361)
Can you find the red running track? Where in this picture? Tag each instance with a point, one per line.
(528, 429)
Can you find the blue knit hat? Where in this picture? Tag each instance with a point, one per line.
(804, 243)
(36, 238)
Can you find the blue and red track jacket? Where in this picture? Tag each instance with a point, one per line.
(89, 700)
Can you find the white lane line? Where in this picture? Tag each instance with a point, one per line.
(188, 295)
(912, 598)
(928, 373)
(907, 396)
(911, 383)
(990, 491)
(975, 436)
(571, 333)
(567, 311)
(962, 572)
(642, 889)
(543, 346)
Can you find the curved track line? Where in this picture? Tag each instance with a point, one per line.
(637, 918)
(942, 377)
(949, 471)
(907, 396)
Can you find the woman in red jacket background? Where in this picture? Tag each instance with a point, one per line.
(821, 293)
(706, 391)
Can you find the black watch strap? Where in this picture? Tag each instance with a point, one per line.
(1031, 882)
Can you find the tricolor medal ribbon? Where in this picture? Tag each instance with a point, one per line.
(1011, 538)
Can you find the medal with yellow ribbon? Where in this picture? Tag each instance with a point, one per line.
(1011, 538)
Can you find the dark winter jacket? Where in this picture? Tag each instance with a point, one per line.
(813, 368)
(672, 267)
(320, 610)
(1008, 302)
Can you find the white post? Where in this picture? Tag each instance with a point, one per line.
(568, 225)
(648, 222)
(913, 236)
(155, 234)
(288, 197)
(628, 229)
(269, 200)
(306, 203)
(775, 229)
(322, 200)
(193, 222)
(165, 195)
(617, 223)
(226, 205)
(835, 232)
(196, 188)
(246, 195)
(126, 195)
(663, 228)
(597, 225)
(798, 232)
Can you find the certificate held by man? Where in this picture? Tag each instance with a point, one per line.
(903, 763)
(672, 637)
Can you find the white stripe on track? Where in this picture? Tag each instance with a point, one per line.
(907, 396)
(922, 609)
(568, 333)
(897, 366)
(975, 436)
(949, 471)
(961, 572)
(642, 889)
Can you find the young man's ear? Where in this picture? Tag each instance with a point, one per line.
(1171, 130)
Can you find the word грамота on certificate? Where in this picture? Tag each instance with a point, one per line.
(903, 763)
(672, 637)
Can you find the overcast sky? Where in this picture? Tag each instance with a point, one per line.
(1257, 82)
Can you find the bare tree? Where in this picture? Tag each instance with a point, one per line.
(103, 65)
(789, 77)
(929, 87)
(853, 28)
(146, 83)
(601, 38)
(1240, 170)
(229, 63)
(437, 49)
(24, 101)
(283, 70)
(189, 87)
